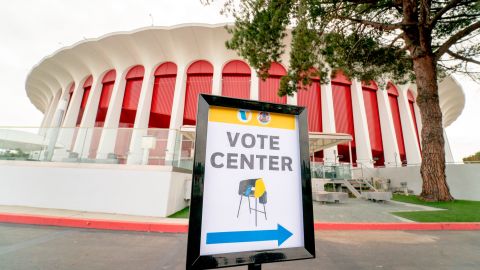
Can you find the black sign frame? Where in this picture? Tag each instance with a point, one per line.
(194, 259)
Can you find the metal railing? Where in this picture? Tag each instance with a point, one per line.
(331, 171)
(152, 146)
(97, 145)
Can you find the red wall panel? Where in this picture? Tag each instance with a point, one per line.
(107, 89)
(411, 102)
(196, 84)
(269, 88)
(312, 99)
(236, 67)
(397, 125)
(374, 128)
(109, 76)
(162, 101)
(83, 104)
(237, 86)
(166, 69)
(132, 94)
(133, 88)
(412, 111)
(199, 81)
(236, 80)
(70, 94)
(342, 104)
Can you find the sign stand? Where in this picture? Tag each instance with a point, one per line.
(251, 200)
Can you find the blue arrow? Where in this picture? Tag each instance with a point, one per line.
(280, 234)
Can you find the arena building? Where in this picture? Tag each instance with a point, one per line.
(127, 102)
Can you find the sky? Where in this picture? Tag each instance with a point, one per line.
(31, 30)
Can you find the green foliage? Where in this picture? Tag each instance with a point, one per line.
(184, 213)
(474, 157)
(367, 40)
(455, 211)
(260, 42)
(14, 154)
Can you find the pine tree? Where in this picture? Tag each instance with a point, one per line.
(402, 40)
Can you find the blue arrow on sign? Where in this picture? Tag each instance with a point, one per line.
(280, 234)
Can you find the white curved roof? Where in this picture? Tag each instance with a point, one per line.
(181, 44)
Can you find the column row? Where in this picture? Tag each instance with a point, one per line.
(103, 108)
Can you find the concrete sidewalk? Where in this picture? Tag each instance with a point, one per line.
(361, 210)
(353, 210)
(103, 221)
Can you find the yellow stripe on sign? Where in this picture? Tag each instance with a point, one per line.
(251, 118)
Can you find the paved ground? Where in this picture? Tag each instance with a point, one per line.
(38, 247)
(360, 210)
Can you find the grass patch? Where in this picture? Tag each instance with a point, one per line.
(455, 211)
(181, 214)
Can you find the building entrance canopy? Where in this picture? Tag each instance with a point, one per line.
(319, 141)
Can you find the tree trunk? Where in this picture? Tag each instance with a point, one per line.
(435, 187)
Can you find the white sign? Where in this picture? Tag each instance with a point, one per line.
(252, 197)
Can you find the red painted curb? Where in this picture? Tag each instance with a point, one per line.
(440, 226)
(94, 223)
(183, 228)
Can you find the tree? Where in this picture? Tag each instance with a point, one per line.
(402, 40)
(473, 158)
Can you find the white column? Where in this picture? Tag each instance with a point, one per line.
(84, 136)
(254, 85)
(390, 146)
(67, 131)
(408, 127)
(418, 117)
(142, 117)
(53, 131)
(293, 100)
(362, 138)
(448, 151)
(110, 128)
(217, 79)
(47, 114)
(176, 119)
(47, 121)
(328, 120)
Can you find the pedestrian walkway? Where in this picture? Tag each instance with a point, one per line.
(353, 210)
(361, 210)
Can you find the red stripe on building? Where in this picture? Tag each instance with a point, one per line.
(342, 105)
(268, 88)
(87, 86)
(311, 98)
(162, 96)
(397, 122)
(199, 81)
(107, 87)
(411, 104)
(236, 80)
(373, 121)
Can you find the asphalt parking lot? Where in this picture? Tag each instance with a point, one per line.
(40, 247)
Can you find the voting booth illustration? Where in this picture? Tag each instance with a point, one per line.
(251, 199)
(253, 188)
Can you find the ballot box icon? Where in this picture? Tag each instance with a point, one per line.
(253, 188)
